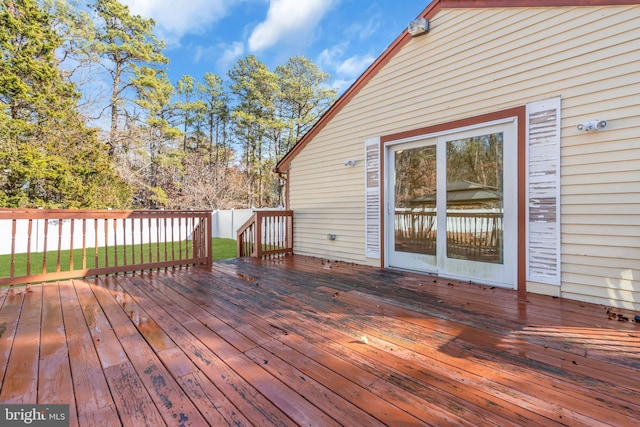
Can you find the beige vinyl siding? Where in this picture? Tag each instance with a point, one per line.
(479, 61)
(490, 78)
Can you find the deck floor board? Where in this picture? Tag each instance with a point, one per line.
(55, 385)
(22, 368)
(306, 341)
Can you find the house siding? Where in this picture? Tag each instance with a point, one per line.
(478, 61)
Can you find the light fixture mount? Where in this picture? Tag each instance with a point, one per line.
(418, 27)
(592, 125)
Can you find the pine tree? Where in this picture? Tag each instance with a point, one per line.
(157, 172)
(48, 157)
(126, 43)
(304, 97)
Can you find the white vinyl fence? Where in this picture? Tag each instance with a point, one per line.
(226, 222)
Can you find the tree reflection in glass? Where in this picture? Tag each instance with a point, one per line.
(475, 198)
(415, 200)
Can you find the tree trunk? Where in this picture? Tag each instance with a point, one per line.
(114, 109)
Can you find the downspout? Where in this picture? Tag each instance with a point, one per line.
(285, 177)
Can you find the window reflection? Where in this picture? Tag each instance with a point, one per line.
(415, 200)
(475, 198)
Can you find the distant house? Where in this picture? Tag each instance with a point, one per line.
(501, 146)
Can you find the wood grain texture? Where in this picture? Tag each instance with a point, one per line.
(305, 341)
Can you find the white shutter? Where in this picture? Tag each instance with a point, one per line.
(543, 191)
(372, 196)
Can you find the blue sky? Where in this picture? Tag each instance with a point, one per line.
(342, 37)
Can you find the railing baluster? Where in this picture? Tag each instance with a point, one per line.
(124, 241)
(84, 244)
(12, 269)
(133, 241)
(115, 241)
(259, 239)
(59, 245)
(149, 239)
(194, 232)
(186, 237)
(202, 226)
(180, 238)
(275, 236)
(254, 239)
(165, 238)
(141, 241)
(157, 239)
(273, 223)
(106, 242)
(173, 252)
(187, 231)
(281, 222)
(29, 231)
(44, 251)
(279, 231)
(96, 263)
(71, 230)
(271, 243)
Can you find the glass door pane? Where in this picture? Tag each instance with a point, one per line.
(415, 200)
(475, 201)
(452, 204)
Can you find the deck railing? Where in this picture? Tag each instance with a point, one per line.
(64, 244)
(470, 235)
(266, 233)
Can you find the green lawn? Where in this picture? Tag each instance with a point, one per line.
(222, 249)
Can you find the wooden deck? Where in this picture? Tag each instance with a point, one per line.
(302, 341)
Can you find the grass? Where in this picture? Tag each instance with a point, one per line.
(222, 249)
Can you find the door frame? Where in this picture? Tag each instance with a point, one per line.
(516, 115)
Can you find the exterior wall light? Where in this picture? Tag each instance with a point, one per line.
(592, 125)
(418, 26)
(350, 162)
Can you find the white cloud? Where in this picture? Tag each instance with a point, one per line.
(345, 71)
(355, 65)
(329, 58)
(230, 54)
(174, 18)
(349, 68)
(288, 19)
(222, 54)
(363, 31)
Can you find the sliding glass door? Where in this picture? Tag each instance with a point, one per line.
(452, 204)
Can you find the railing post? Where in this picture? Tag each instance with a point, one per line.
(258, 236)
(240, 244)
(290, 231)
(209, 238)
